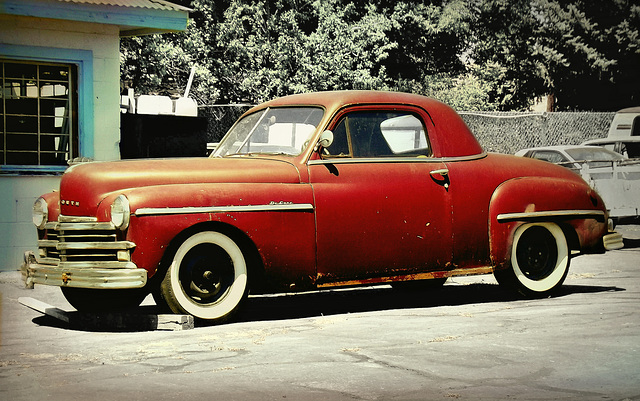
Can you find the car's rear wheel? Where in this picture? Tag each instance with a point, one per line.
(539, 260)
(207, 277)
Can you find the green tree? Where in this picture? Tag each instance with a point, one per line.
(272, 50)
(501, 52)
(430, 39)
(584, 55)
(161, 64)
(250, 51)
(590, 53)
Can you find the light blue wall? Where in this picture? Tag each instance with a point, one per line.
(17, 194)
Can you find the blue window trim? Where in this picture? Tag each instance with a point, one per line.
(83, 59)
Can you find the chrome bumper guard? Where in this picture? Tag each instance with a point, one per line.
(612, 241)
(127, 276)
(81, 252)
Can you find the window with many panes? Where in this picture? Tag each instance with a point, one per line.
(39, 113)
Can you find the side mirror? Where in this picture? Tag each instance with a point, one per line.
(326, 139)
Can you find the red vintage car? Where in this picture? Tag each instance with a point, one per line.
(308, 192)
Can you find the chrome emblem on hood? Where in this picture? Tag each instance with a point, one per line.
(70, 203)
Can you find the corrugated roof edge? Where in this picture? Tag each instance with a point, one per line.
(149, 4)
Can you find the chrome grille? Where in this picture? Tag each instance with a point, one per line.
(83, 241)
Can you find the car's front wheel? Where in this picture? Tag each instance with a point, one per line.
(207, 277)
(539, 260)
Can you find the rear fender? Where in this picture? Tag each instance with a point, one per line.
(571, 204)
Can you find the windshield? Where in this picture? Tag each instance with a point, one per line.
(595, 157)
(283, 130)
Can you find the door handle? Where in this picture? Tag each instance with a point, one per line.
(441, 176)
(442, 171)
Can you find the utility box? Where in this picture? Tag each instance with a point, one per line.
(160, 136)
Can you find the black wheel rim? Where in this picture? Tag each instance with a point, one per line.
(206, 273)
(537, 253)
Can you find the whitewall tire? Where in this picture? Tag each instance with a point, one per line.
(539, 259)
(207, 277)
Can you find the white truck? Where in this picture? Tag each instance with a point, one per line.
(620, 183)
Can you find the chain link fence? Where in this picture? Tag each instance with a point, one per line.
(508, 132)
(220, 118)
(502, 132)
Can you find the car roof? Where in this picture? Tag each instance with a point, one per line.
(564, 148)
(605, 141)
(560, 148)
(452, 139)
(630, 110)
(333, 99)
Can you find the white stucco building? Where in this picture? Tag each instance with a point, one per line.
(60, 72)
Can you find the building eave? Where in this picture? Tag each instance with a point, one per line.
(131, 21)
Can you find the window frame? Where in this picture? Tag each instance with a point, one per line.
(344, 116)
(83, 60)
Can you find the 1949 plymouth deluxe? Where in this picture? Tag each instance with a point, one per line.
(313, 191)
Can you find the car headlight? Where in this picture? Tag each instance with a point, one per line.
(40, 213)
(120, 212)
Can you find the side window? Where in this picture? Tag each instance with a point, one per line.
(405, 134)
(379, 134)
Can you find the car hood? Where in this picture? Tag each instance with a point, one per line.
(84, 186)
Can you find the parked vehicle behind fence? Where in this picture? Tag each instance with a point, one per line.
(615, 177)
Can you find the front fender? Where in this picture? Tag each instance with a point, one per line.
(277, 218)
(571, 203)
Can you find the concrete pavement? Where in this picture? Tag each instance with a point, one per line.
(468, 341)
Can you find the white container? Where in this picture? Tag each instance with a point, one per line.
(150, 104)
(185, 106)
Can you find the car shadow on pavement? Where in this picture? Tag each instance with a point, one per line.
(631, 243)
(313, 304)
(372, 299)
(142, 318)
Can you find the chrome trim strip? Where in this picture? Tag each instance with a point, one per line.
(51, 225)
(550, 213)
(84, 264)
(47, 243)
(95, 245)
(78, 223)
(60, 226)
(76, 219)
(49, 261)
(94, 264)
(382, 159)
(275, 207)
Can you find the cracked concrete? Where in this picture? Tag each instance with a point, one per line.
(467, 341)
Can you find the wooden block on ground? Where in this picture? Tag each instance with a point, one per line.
(175, 322)
(45, 308)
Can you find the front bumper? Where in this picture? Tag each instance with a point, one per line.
(126, 277)
(81, 252)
